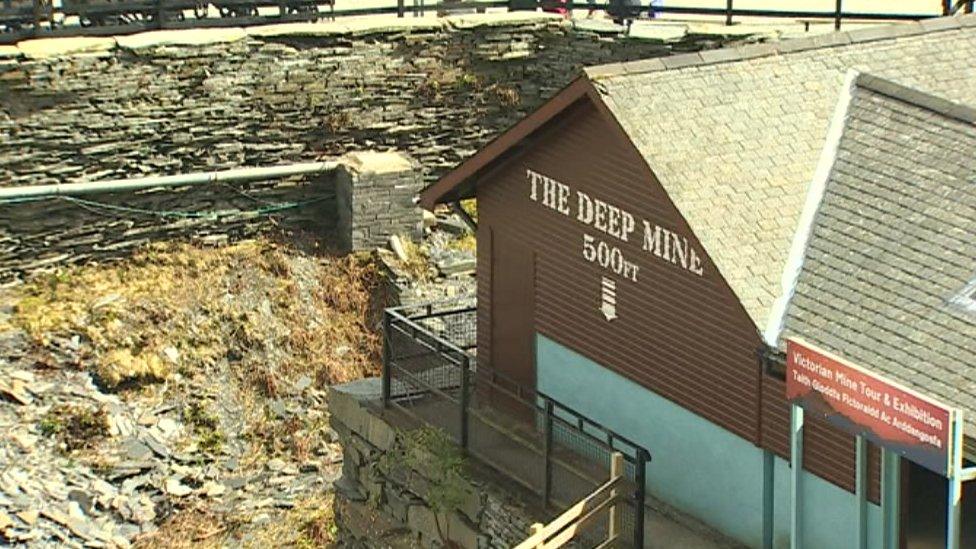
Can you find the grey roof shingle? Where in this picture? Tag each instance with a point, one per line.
(893, 243)
(735, 137)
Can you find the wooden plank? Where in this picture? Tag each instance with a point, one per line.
(567, 535)
(572, 514)
(610, 542)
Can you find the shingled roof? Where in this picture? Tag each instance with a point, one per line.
(886, 253)
(734, 135)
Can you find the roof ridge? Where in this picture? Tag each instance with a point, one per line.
(752, 51)
(914, 96)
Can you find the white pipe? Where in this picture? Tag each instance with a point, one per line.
(196, 178)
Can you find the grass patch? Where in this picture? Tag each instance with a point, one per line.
(191, 529)
(206, 427)
(470, 207)
(308, 525)
(464, 243)
(178, 307)
(75, 427)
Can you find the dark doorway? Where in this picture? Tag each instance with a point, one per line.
(924, 502)
(512, 321)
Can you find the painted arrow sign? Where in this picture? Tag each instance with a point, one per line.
(609, 299)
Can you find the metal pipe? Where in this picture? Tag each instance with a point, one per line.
(890, 499)
(471, 223)
(954, 505)
(796, 477)
(769, 496)
(195, 178)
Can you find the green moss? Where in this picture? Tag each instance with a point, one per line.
(206, 427)
(430, 453)
(76, 427)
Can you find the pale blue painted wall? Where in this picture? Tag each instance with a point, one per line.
(698, 467)
(829, 513)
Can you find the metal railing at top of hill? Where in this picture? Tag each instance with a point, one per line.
(20, 19)
(430, 373)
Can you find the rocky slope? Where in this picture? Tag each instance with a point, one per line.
(176, 399)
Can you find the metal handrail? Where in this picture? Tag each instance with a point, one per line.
(28, 18)
(396, 313)
(399, 320)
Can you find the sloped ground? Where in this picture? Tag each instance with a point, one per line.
(177, 399)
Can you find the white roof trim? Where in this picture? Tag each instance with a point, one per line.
(801, 239)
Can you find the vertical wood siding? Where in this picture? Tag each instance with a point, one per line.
(681, 335)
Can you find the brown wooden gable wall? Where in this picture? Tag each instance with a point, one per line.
(685, 337)
(681, 335)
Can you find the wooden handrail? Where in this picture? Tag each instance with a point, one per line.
(574, 520)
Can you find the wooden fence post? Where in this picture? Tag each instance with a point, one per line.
(728, 12)
(616, 471)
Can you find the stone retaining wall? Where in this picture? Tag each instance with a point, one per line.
(379, 502)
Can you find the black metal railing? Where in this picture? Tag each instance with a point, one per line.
(430, 372)
(21, 19)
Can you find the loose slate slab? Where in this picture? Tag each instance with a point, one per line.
(187, 37)
(42, 48)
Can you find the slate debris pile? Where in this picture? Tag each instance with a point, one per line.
(85, 466)
(441, 267)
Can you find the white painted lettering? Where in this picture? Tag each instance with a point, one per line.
(665, 242)
(549, 192)
(617, 222)
(563, 206)
(600, 219)
(680, 246)
(628, 226)
(534, 184)
(695, 264)
(585, 212)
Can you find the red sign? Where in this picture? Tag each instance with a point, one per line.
(865, 404)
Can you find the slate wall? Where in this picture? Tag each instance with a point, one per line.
(176, 102)
(435, 92)
(382, 502)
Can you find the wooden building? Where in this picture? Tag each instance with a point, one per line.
(633, 234)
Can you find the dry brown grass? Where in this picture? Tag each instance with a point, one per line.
(416, 264)
(195, 528)
(309, 524)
